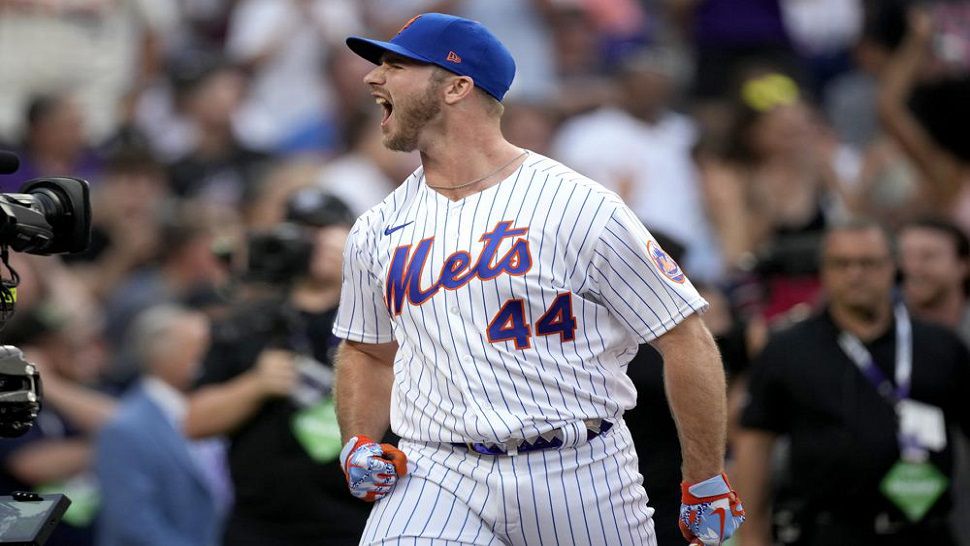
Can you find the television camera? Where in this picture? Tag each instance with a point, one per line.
(47, 216)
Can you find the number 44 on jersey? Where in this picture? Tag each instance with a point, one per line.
(510, 322)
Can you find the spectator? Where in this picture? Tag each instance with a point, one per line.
(283, 44)
(368, 172)
(323, 135)
(935, 264)
(773, 190)
(126, 224)
(822, 32)
(156, 487)
(728, 34)
(56, 455)
(840, 412)
(55, 143)
(934, 135)
(217, 167)
(583, 84)
(850, 99)
(186, 265)
(97, 49)
(266, 385)
(265, 205)
(641, 149)
(523, 26)
(530, 125)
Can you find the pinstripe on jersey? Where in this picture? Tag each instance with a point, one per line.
(432, 274)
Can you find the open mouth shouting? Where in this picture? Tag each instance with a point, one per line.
(387, 106)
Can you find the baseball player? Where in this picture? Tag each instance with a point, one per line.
(490, 306)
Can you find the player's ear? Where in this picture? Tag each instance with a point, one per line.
(458, 88)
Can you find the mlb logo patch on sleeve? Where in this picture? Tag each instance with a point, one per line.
(665, 263)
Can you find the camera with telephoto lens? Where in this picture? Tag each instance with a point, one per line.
(279, 255)
(47, 216)
(276, 259)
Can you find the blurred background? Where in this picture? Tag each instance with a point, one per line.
(736, 129)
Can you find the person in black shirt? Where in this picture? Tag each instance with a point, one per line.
(838, 411)
(266, 385)
(216, 168)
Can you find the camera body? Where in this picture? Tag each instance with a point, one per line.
(279, 255)
(48, 216)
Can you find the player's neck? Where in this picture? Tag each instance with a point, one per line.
(459, 159)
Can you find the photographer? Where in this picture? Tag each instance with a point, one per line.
(266, 385)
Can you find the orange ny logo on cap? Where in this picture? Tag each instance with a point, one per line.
(453, 57)
(406, 25)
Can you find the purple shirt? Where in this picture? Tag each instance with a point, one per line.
(739, 23)
(88, 167)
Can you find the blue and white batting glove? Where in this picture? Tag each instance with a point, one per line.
(371, 469)
(710, 511)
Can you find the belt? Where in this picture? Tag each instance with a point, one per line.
(594, 428)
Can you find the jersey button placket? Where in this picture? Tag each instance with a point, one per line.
(453, 221)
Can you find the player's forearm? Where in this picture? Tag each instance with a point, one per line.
(752, 479)
(363, 391)
(696, 389)
(219, 409)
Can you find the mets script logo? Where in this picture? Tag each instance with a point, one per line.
(407, 266)
(665, 263)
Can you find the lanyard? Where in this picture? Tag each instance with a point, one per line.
(857, 352)
(859, 355)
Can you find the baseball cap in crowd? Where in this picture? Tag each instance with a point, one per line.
(317, 208)
(456, 44)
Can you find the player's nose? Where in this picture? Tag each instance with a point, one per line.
(375, 76)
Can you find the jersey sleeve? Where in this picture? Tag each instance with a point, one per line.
(644, 289)
(362, 315)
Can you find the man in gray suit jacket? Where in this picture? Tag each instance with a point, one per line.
(156, 487)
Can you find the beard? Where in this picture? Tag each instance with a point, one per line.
(412, 117)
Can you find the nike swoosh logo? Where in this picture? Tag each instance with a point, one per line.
(720, 513)
(390, 230)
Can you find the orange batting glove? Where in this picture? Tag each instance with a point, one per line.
(710, 511)
(371, 469)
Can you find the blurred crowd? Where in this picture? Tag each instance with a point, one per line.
(740, 131)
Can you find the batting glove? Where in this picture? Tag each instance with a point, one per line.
(710, 511)
(371, 469)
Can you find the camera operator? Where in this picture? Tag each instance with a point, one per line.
(266, 385)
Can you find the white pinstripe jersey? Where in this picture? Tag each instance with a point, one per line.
(515, 309)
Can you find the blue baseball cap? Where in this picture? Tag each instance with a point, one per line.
(458, 45)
